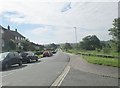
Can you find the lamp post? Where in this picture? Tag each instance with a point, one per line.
(75, 34)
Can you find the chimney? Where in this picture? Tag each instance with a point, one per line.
(8, 27)
(16, 30)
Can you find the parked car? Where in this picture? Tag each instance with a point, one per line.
(28, 57)
(39, 52)
(54, 51)
(9, 58)
(47, 53)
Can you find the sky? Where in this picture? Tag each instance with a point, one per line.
(53, 21)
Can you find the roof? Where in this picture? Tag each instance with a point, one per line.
(3, 28)
(12, 32)
(17, 34)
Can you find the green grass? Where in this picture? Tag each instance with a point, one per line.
(98, 60)
(94, 52)
(72, 51)
(102, 61)
(113, 53)
(40, 56)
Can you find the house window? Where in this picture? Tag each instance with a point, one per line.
(23, 38)
(15, 37)
(2, 31)
(2, 43)
(18, 38)
(19, 44)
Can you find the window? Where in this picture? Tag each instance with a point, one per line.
(2, 31)
(16, 54)
(21, 38)
(18, 38)
(15, 37)
(19, 44)
(2, 43)
(10, 55)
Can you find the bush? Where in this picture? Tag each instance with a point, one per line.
(106, 50)
(38, 52)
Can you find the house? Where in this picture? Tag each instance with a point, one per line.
(10, 35)
(1, 38)
(37, 46)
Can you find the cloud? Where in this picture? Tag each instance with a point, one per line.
(66, 7)
(88, 17)
(51, 34)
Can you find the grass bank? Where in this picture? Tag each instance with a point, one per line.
(96, 59)
(102, 61)
(93, 52)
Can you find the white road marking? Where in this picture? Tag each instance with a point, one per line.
(60, 79)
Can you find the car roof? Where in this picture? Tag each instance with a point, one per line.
(27, 52)
(5, 53)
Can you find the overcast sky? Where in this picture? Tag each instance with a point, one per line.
(49, 21)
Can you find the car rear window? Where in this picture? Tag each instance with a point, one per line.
(3, 55)
(24, 54)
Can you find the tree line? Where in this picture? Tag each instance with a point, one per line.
(92, 42)
(26, 45)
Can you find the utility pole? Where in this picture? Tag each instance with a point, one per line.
(75, 34)
(76, 38)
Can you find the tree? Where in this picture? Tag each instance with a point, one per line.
(51, 46)
(67, 46)
(115, 32)
(90, 43)
(41, 47)
(27, 46)
(11, 45)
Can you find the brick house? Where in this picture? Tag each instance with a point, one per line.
(10, 35)
(1, 38)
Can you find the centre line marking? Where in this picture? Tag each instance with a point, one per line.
(60, 79)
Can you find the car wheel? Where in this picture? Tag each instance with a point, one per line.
(36, 59)
(29, 61)
(6, 66)
(20, 63)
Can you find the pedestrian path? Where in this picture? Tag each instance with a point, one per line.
(82, 79)
(78, 63)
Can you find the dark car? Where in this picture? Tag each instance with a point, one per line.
(47, 53)
(54, 51)
(9, 58)
(28, 57)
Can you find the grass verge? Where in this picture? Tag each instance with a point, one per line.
(102, 61)
(40, 56)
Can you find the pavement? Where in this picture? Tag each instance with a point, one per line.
(83, 73)
(77, 62)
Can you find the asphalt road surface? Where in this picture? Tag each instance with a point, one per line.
(41, 73)
(48, 69)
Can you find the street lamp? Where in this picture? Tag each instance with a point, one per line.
(75, 34)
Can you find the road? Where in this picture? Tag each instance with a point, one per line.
(42, 73)
(47, 70)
